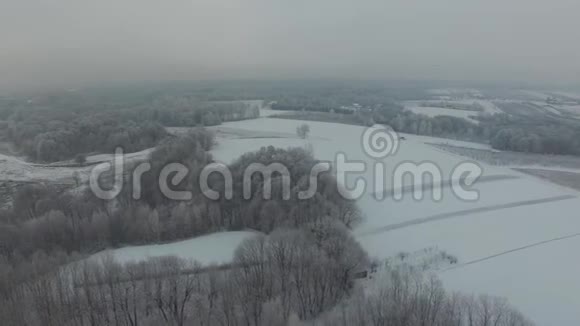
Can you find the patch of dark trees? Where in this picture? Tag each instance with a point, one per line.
(54, 129)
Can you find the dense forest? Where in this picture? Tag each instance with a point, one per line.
(545, 136)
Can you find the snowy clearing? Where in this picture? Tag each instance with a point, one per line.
(269, 112)
(215, 248)
(100, 158)
(569, 109)
(435, 111)
(571, 95)
(535, 95)
(464, 108)
(15, 169)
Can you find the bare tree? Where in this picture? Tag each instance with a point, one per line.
(303, 130)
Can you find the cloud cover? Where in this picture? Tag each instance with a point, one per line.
(54, 42)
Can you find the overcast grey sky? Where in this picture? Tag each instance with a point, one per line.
(71, 41)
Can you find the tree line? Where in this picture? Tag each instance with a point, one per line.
(533, 135)
(294, 277)
(60, 127)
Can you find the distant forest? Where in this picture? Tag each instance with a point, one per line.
(58, 127)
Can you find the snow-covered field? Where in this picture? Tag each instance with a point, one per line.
(535, 95)
(100, 158)
(216, 248)
(572, 95)
(516, 241)
(424, 107)
(435, 111)
(484, 153)
(456, 92)
(570, 109)
(16, 169)
(268, 112)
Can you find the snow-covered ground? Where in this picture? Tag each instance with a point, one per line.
(512, 242)
(269, 112)
(542, 281)
(216, 248)
(100, 158)
(456, 92)
(327, 140)
(572, 95)
(536, 95)
(435, 111)
(489, 107)
(16, 169)
(551, 109)
(450, 142)
(570, 109)
(431, 108)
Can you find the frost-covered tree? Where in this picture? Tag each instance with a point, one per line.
(303, 130)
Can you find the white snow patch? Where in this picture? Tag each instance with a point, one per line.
(215, 248)
(541, 281)
(435, 111)
(141, 155)
(15, 169)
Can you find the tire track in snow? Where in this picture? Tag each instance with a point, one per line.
(450, 215)
(513, 250)
(448, 184)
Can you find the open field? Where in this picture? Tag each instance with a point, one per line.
(464, 108)
(571, 110)
(322, 117)
(435, 111)
(214, 248)
(512, 159)
(493, 238)
(16, 169)
(563, 178)
(421, 107)
(526, 109)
